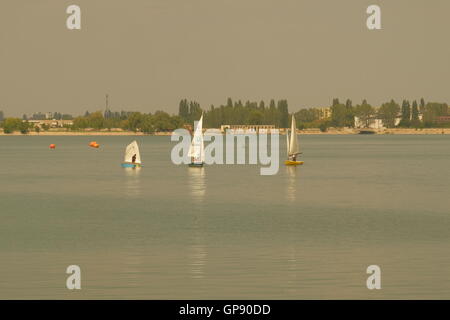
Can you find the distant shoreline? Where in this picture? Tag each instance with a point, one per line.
(331, 131)
(85, 133)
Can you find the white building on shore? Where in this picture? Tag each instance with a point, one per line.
(50, 123)
(243, 129)
(374, 123)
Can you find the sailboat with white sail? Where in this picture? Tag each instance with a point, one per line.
(132, 156)
(293, 149)
(197, 148)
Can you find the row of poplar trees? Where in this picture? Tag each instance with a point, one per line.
(238, 113)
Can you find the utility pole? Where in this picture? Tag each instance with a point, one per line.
(106, 114)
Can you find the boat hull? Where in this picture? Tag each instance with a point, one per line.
(293, 163)
(367, 132)
(196, 165)
(131, 165)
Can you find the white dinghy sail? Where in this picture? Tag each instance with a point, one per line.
(293, 146)
(131, 151)
(197, 148)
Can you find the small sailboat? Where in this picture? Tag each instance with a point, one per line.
(132, 156)
(293, 148)
(197, 148)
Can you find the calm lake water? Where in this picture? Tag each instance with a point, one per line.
(225, 231)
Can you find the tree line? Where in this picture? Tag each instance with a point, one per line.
(391, 113)
(340, 114)
(132, 121)
(237, 112)
(415, 114)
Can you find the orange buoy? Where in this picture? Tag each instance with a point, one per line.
(52, 146)
(94, 144)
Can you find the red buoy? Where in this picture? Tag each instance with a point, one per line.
(52, 146)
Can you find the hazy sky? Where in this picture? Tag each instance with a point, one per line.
(148, 54)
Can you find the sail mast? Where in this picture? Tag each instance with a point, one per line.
(202, 144)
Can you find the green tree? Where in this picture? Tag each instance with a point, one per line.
(135, 121)
(183, 110)
(256, 117)
(365, 112)
(162, 121)
(229, 102)
(406, 114)
(195, 111)
(422, 105)
(335, 102)
(415, 121)
(414, 111)
(146, 124)
(323, 126)
(388, 112)
(272, 114)
(12, 124)
(305, 117)
(78, 123)
(339, 115)
(262, 105)
(24, 127)
(432, 111)
(283, 114)
(350, 114)
(96, 120)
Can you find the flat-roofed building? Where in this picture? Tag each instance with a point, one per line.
(443, 119)
(250, 128)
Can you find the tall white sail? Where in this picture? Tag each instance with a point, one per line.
(131, 150)
(197, 149)
(293, 144)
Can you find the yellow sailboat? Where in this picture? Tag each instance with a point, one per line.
(293, 149)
